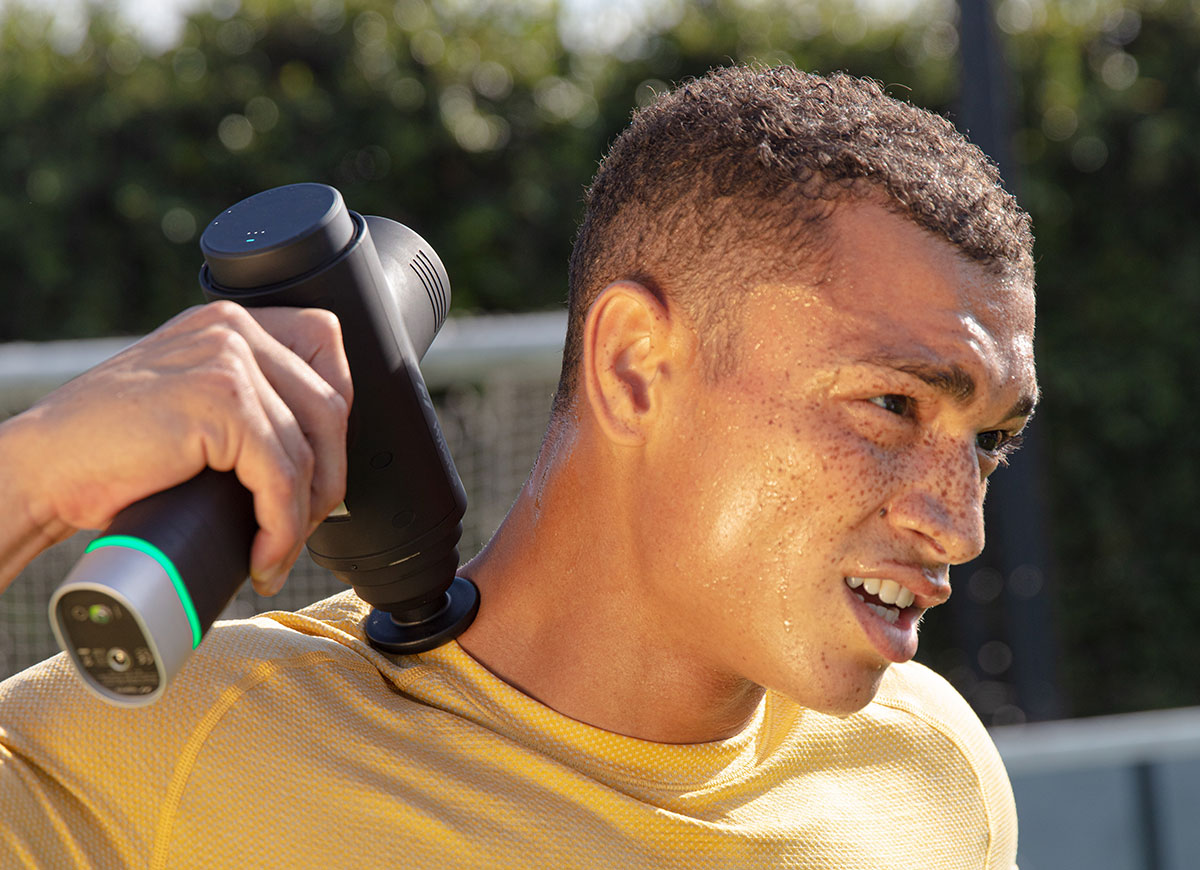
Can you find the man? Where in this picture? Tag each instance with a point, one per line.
(800, 340)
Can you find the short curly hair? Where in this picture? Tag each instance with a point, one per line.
(717, 184)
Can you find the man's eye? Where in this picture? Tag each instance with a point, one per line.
(997, 441)
(990, 441)
(894, 403)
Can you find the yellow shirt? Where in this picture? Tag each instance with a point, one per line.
(288, 742)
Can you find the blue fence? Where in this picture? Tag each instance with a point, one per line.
(1110, 793)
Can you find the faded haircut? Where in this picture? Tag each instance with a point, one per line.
(729, 180)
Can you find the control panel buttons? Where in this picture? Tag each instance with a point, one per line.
(118, 659)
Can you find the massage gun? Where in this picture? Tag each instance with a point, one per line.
(148, 588)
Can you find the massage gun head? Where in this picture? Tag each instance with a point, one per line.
(395, 537)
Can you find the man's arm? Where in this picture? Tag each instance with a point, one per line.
(24, 532)
(265, 393)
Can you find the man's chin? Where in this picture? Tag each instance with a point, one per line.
(843, 697)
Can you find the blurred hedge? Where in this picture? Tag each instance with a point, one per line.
(479, 123)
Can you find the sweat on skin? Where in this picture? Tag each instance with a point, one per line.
(715, 526)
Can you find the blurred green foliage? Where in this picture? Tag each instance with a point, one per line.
(472, 122)
(1108, 138)
(479, 124)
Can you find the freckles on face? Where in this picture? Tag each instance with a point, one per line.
(771, 496)
(789, 494)
(842, 444)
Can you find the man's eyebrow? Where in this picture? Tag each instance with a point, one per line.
(952, 380)
(1023, 407)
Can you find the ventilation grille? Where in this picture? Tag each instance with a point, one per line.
(427, 273)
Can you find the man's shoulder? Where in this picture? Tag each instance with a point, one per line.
(945, 732)
(923, 696)
(345, 610)
(916, 714)
(264, 708)
(332, 625)
(234, 657)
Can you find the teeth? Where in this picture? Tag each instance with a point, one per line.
(889, 614)
(889, 591)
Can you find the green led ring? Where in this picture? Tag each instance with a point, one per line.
(167, 565)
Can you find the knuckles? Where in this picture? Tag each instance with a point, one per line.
(322, 324)
(213, 347)
(223, 368)
(219, 313)
(304, 461)
(337, 409)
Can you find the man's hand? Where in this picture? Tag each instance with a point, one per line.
(263, 392)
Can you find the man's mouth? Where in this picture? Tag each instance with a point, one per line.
(885, 598)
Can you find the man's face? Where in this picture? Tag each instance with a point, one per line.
(809, 503)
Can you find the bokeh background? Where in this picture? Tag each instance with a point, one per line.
(479, 122)
(126, 125)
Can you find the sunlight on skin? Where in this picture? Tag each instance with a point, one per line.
(711, 525)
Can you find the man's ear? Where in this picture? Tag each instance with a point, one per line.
(628, 351)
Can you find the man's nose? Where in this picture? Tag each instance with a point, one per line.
(941, 503)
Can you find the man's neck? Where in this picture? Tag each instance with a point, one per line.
(562, 618)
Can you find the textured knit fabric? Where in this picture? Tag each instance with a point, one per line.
(288, 742)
